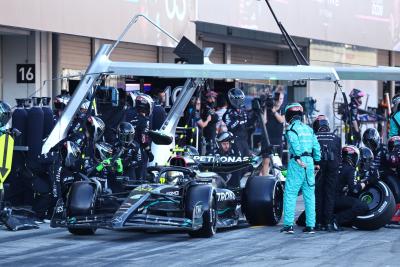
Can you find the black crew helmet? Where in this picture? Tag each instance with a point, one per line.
(321, 124)
(103, 151)
(96, 127)
(236, 97)
(394, 143)
(356, 95)
(371, 139)
(70, 154)
(61, 101)
(224, 137)
(126, 133)
(396, 102)
(144, 103)
(190, 151)
(5, 113)
(351, 155)
(294, 111)
(366, 156)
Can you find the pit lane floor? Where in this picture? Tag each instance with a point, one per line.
(243, 246)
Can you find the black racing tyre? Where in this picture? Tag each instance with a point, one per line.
(81, 201)
(209, 227)
(381, 206)
(263, 200)
(394, 185)
(82, 231)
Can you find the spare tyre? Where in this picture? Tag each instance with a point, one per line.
(381, 206)
(262, 200)
(394, 184)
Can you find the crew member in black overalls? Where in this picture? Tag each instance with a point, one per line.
(236, 119)
(159, 114)
(372, 140)
(328, 174)
(131, 155)
(367, 170)
(347, 204)
(208, 111)
(354, 135)
(226, 148)
(141, 122)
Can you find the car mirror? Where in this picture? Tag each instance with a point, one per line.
(160, 138)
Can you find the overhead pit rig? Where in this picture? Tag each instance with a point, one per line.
(196, 75)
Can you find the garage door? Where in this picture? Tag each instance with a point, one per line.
(75, 52)
(253, 55)
(217, 56)
(133, 52)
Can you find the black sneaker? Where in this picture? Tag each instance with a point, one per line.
(309, 230)
(320, 227)
(334, 227)
(287, 229)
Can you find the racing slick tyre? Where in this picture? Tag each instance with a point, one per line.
(381, 206)
(81, 201)
(205, 195)
(263, 200)
(394, 185)
(82, 231)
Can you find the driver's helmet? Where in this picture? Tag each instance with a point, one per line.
(236, 98)
(103, 151)
(70, 154)
(5, 113)
(171, 177)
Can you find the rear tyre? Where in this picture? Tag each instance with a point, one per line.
(381, 206)
(263, 200)
(209, 227)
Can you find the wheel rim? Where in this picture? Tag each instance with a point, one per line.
(277, 203)
(372, 197)
(213, 218)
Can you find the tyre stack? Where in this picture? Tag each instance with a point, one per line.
(35, 128)
(48, 121)
(19, 190)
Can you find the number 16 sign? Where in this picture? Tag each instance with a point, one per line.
(25, 73)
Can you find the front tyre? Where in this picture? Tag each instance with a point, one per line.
(82, 231)
(209, 227)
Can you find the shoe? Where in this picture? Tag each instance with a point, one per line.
(287, 229)
(334, 226)
(320, 227)
(309, 230)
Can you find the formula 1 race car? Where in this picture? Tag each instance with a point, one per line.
(190, 199)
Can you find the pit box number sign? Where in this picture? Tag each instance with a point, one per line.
(25, 73)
